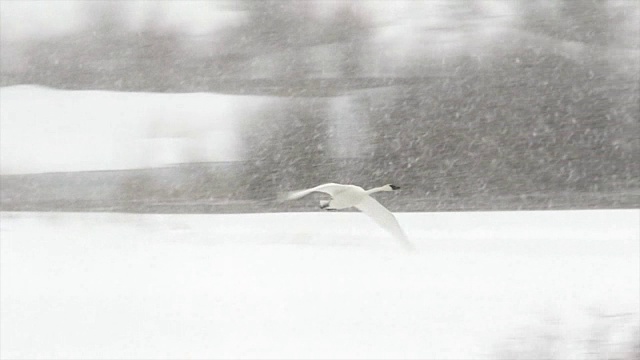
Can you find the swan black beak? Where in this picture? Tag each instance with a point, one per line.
(394, 187)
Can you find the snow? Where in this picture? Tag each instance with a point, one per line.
(52, 130)
(309, 285)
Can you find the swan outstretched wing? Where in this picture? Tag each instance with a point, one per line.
(384, 218)
(329, 188)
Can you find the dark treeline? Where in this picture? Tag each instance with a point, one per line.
(530, 119)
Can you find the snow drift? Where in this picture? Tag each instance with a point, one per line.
(311, 285)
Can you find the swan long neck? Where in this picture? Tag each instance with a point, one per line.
(378, 189)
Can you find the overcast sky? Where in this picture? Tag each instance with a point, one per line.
(22, 19)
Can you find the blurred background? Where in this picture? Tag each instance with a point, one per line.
(197, 106)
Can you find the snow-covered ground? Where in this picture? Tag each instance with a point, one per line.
(315, 285)
(52, 130)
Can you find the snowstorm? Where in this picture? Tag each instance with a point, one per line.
(285, 179)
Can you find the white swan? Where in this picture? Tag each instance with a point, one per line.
(345, 196)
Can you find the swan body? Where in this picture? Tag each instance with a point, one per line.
(346, 196)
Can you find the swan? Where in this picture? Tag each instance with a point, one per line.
(346, 196)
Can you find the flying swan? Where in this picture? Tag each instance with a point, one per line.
(345, 196)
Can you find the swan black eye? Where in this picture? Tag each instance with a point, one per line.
(394, 187)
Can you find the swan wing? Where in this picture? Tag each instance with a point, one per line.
(385, 219)
(329, 188)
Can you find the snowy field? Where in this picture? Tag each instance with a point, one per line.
(110, 130)
(315, 285)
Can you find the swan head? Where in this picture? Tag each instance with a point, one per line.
(393, 187)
